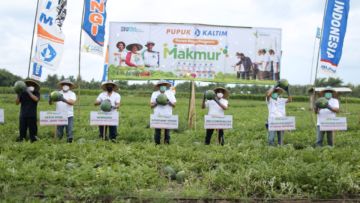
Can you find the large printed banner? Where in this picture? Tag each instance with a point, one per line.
(94, 26)
(189, 51)
(334, 30)
(50, 38)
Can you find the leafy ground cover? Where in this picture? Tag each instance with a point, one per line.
(245, 168)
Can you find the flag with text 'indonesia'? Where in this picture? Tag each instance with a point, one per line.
(94, 26)
(50, 38)
(334, 29)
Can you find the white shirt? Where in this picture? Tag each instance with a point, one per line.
(276, 107)
(275, 60)
(266, 60)
(163, 109)
(151, 58)
(137, 59)
(259, 61)
(214, 108)
(120, 58)
(114, 98)
(64, 107)
(326, 113)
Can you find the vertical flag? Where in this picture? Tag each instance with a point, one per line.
(94, 26)
(50, 38)
(106, 65)
(334, 29)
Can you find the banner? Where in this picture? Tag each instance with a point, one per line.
(333, 124)
(94, 26)
(281, 123)
(334, 30)
(164, 122)
(188, 51)
(50, 39)
(104, 118)
(218, 122)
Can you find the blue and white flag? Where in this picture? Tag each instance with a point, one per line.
(333, 34)
(94, 26)
(106, 66)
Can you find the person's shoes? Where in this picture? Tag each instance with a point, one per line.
(34, 140)
(113, 140)
(69, 140)
(19, 139)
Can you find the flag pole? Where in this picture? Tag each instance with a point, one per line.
(32, 39)
(79, 68)
(312, 61)
(321, 35)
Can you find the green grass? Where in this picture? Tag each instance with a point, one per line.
(246, 168)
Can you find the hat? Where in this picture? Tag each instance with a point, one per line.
(279, 90)
(226, 92)
(66, 82)
(129, 47)
(327, 89)
(103, 84)
(149, 42)
(162, 82)
(31, 82)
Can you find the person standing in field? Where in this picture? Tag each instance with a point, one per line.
(133, 57)
(66, 104)
(28, 101)
(162, 87)
(216, 107)
(330, 111)
(110, 94)
(277, 108)
(120, 55)
(151, 57)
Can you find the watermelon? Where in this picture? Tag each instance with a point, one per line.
(19, 87)
(210, 94)
(162, 99)
(55, 96)
(180, 176)
(169, 172)
(105, 106)
(283, 83)
(321, 103)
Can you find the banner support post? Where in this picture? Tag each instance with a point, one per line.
(191, 109)
(32, 39)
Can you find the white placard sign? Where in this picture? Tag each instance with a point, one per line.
(53, 118)
(218, 122)
(333, 124)
(104, 118)
(2, 117)
(281, 123)
(164, 121)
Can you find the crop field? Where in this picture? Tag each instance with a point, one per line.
(90, 169)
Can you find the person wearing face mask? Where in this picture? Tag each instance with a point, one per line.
(66, 104)
(110, 94)
(162, 88)
(329, 112)
(28, 110)
(276, 106)
(216, 107)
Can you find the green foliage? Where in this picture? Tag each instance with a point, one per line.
(8, 79)
(324, 82)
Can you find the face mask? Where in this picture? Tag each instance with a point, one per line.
(31, 88)
(109, 88)
(274, 95)
(162, 88)
(220, 95)
(65, 88)
(328, 95)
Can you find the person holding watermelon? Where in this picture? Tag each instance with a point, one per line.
(277, 108)
(109, 100)
(28, 99)
(216, 101)
(325, 109)
(162, 102)
(65, 103)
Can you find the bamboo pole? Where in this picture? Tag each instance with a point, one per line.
(32, 39)
(79, 68)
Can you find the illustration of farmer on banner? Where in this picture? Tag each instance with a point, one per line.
(133, 57)
(151, 57)
(65, 99)
(162, 101)
(216, 101)
(120, 55)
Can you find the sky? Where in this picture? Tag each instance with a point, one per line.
(298, 20)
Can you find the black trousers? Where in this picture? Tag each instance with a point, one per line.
(112, 132)
(24, 125)
(157, 136)
(209, 133)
